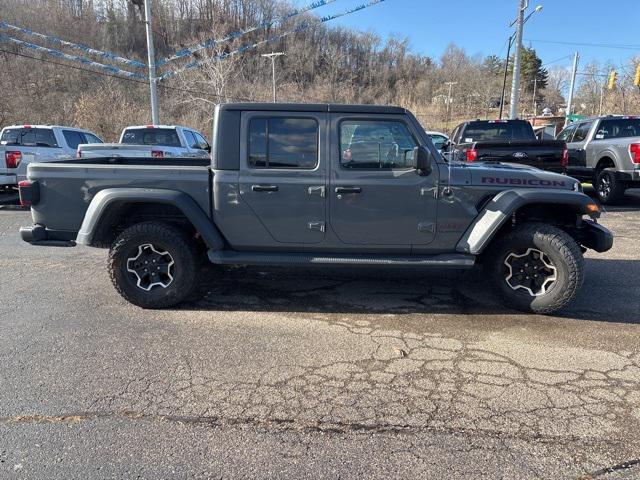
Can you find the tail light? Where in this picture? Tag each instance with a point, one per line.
(157, 153)
(472, 154)
(12, 159)
(29, 193)
(565, 157)
(634, 150)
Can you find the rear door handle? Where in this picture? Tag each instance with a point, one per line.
(264, 188)
(348, 189)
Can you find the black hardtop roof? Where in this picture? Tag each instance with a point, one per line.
(313, 107)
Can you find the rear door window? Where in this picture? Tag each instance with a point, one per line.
(618, 128)
(73, 138)
(165, 137)
(29, 137)
(282, 142)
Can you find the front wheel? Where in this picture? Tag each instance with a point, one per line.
(536, 268)
(153, 265)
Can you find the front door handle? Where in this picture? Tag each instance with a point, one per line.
(264, 188)
(348, 190)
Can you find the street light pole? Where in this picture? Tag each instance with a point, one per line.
(153, 80)
(572, 85)
(272, 56)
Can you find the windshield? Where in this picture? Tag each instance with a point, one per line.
(165, 137)
(498, 131)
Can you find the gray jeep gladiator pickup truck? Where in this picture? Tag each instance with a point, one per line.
(295, 184)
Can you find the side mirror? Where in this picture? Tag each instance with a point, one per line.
(445, 146)
(207, 147)
(422, 160)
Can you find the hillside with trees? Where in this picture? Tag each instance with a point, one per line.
(322, 64)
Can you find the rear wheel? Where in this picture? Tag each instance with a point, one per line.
(153, 265)
(536, 268)
(609, 188)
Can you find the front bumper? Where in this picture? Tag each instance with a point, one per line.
(594, 236)
(38, 235)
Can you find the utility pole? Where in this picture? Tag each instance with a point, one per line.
(153, 80)
(515, 84)
(535, 104)
(572, 85)
(504, 79)
(272, 56)
(450, 85)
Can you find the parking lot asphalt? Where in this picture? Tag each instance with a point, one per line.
(316, 373)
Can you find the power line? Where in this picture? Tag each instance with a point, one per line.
(557, 60)
(166, 87)
(602, 45)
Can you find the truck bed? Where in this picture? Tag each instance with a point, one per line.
(66, 188)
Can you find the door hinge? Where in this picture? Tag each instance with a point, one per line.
(316, 226)
(317, 190)
(427, 227)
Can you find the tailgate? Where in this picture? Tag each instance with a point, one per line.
(66, 188)
(546, 154)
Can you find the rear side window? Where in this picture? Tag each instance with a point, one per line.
(29, 137)
(73, 138)
(281, 142)
(165, 137)
(497, 131)
(581, 132)
(618, 128)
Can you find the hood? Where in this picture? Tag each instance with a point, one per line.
(511, 175)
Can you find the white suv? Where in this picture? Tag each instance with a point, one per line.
(23, 144)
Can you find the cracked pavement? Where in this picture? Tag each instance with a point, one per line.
(315, 373)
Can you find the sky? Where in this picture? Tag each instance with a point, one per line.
(482, 26)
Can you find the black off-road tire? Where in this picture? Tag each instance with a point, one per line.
(609, 189)
(558, 247)
(166, 238)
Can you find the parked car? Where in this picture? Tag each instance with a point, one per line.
(295, 184)
(439, 139)
(158, 141)
(606, 152)
(506, 141)
(22, 144)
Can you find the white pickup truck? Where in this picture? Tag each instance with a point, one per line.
(157, 141)
(22, 144)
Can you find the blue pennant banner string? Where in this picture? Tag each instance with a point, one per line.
(73, 58)
(107, 55)
(232, 36)
(245, 48)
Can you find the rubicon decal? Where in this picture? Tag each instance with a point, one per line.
(531, 182)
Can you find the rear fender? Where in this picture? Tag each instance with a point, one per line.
(494, 215)
(111, 197)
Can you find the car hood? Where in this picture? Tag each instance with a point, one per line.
(511, 175)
